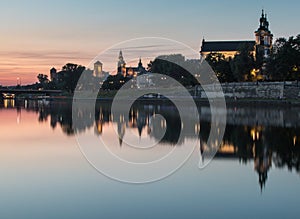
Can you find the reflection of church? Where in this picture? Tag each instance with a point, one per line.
(264, 145)
(262, 155)
(254, 145)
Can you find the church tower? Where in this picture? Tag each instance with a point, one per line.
(98, 69)
(121, 64)
(263, 36)
(140, 65)
(53, 74)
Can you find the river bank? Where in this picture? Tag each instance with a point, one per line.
(198, 101)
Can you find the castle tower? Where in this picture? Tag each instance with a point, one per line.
(98, 69)
(140, 65)
(263, 36)
(121, 64)
(53, 74)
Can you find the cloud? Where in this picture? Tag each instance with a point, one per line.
(44, 55)
(140, 47)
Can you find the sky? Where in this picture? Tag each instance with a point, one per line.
(37, 35)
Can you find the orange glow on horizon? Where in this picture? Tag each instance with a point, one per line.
(27, 73)
(27, 68)
(27, 65)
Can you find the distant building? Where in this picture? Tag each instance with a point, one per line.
(263, 36)
(98, 69)
(129, 71)
(227, 48)
(53, 74)
(144, 81)
(139, 75)
(262, 43)
(121, 64)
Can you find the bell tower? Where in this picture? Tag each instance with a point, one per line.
(121, 64)
(98, 69)
(263, 36)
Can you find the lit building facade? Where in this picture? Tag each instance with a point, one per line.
(129, 71)
(263, 36)
(262, 43)
(98, 71)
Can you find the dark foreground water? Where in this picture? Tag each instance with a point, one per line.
(255, 173)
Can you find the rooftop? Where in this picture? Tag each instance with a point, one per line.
(219, 46)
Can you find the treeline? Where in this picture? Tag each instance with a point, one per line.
(282, 64)
(177, 67)
(65, 80)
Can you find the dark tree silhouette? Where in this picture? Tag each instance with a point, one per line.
(243, 63)
(284, 62)
(43, 79)
(221, 66)
(174, 66)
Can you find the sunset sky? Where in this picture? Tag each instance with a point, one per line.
(37, 35)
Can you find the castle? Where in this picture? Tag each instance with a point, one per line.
(261, 45)
(129, 71)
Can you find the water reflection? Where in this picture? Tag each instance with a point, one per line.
(265, 137)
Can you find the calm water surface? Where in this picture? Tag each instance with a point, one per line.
(255, 173)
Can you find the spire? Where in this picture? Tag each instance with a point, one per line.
(140, 63)
(264, 24)
(121, 61)
(120, 55)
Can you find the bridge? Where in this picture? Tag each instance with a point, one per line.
(28, 91)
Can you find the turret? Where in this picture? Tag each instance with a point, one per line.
(263, 36)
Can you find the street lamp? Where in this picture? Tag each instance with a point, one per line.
(18, 81)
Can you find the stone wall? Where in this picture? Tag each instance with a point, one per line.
(262, 90)
(253, 116)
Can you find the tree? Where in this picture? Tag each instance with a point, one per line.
(43, 79)
(243, 63)
(69, 76)
(174, 66)
(284, 62)
(114, 82)
(221, 66)
(259, 60)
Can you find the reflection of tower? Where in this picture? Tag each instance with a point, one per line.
(99, 123)
(119, 119)
(262, 164)
(262, 156)
(121, 64)
(201, 150)
(53, 120)
(98, 69)
(141, 122)
(18, 115)
(98, 127)
(263, 36)
(121, 132)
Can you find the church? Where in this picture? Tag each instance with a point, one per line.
(129, 71)
(262, 43)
